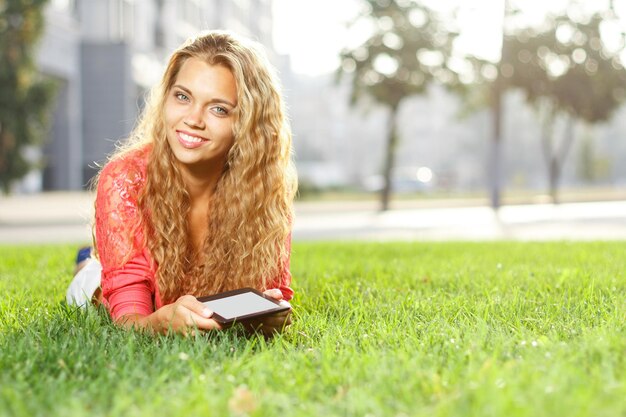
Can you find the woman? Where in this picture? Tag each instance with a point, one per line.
(200, 199)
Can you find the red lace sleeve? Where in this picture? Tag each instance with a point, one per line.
(117, 214)
(283, 280)
(127, 272)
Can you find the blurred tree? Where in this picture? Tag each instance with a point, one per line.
(496, 93)
(408, 49)
(566, 71)
(568, 74)
(25, 97)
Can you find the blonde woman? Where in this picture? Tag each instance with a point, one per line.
(199, 201)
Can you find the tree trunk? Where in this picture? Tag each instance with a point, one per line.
(495, 157)
(557, 159)
(390, 156)
(547, 146)
(554, 173)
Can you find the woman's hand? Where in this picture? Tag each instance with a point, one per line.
(184, 316)
(274, 323)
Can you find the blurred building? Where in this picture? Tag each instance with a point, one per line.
(105, 55)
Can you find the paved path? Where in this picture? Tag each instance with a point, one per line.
(46, 218)
(64, 218)
(580, 221)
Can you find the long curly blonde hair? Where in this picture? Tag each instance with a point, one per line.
(251, 212)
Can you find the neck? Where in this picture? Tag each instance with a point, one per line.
(201, 181)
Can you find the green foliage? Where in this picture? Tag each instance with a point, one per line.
(563, 61)
(567, 63)
(420, 329)
(25, 97)
(407, 50)
(566, 71)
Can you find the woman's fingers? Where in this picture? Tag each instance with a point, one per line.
(192, 303)
(201, 322)
(190, 313)
(275, 293)
(193, 319)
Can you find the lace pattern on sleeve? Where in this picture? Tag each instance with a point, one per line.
(118, 232)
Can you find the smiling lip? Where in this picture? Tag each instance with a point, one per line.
(190, 141)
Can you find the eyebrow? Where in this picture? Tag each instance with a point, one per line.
(215, 100)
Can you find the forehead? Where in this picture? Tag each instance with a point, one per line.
(207, 81)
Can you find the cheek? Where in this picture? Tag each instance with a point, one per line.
(167, 118)
(171, 114)
(227, 134)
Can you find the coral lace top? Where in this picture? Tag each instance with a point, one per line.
(128, 269)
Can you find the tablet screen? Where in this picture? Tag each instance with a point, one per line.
(239, 305)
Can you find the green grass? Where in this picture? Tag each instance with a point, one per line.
(415, 329)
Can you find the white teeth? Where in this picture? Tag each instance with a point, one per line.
(188, 138)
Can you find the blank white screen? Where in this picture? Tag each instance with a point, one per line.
(239, 305)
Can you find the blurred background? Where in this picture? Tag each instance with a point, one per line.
(393, 103)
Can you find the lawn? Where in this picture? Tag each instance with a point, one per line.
(394, 329)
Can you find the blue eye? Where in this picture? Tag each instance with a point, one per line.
(181, 96)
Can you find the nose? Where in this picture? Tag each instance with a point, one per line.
(194, 118)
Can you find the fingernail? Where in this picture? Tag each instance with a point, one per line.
(207, 313)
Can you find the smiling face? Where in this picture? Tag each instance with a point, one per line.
(199, 115)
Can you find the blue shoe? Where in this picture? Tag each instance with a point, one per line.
(83, 254)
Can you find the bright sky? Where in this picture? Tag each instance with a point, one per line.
(314, 32)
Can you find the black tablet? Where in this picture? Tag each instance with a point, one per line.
(240, 305)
